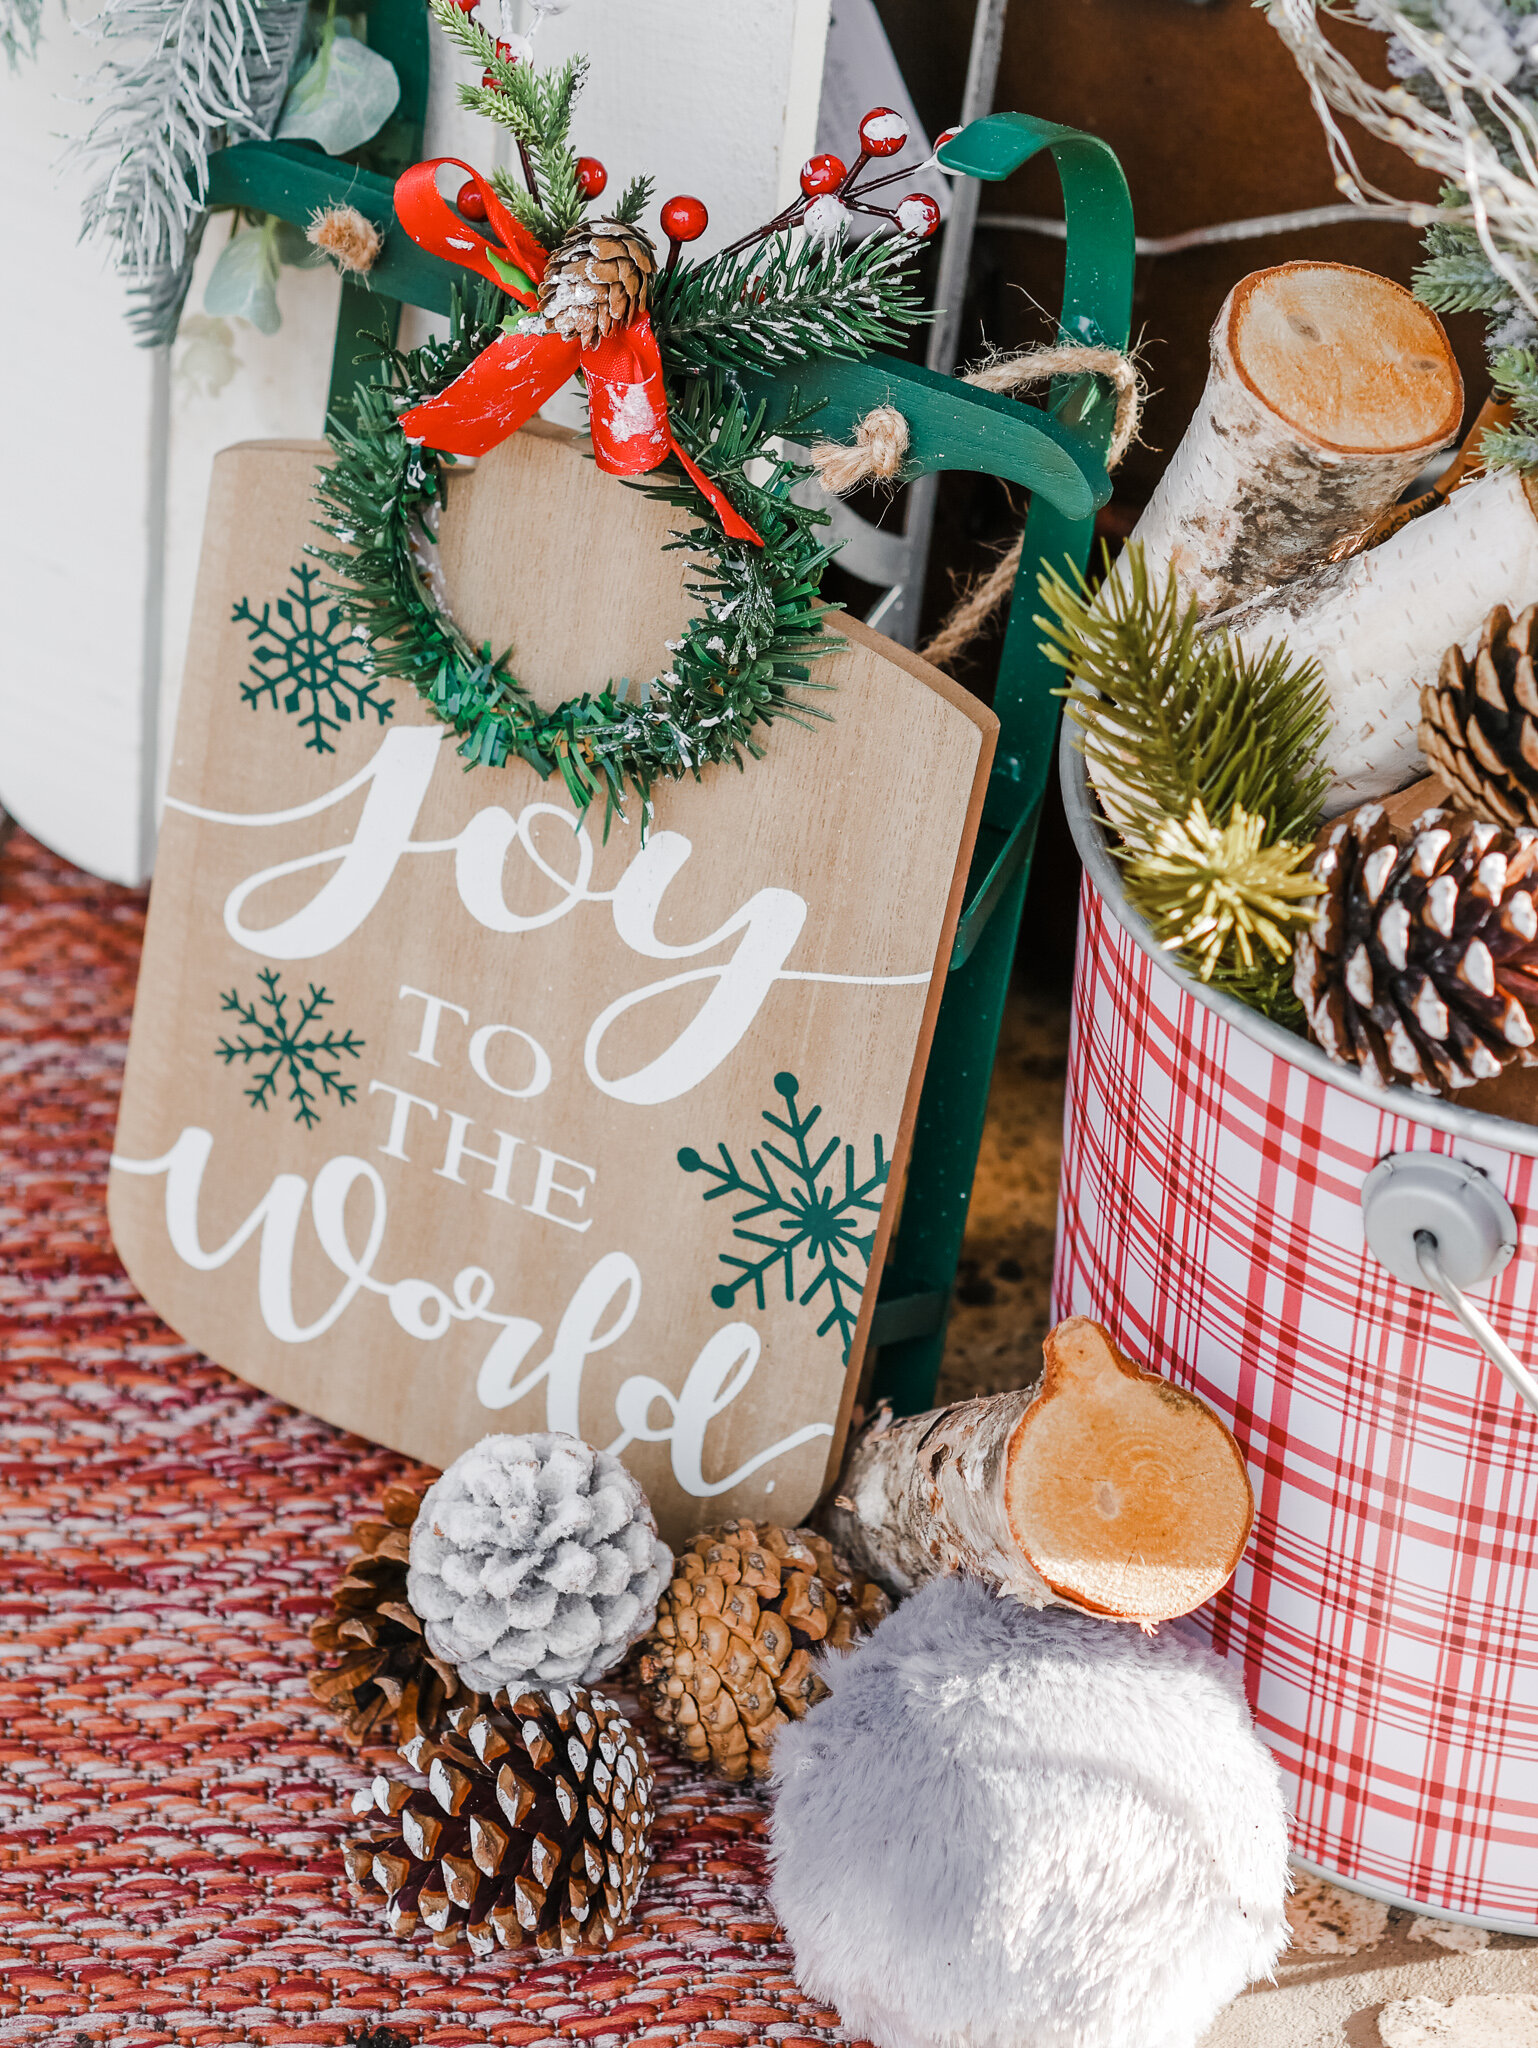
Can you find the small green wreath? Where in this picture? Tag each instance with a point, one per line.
(742, 659)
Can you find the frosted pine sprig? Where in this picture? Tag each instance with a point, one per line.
(203, 73)
(20, 24)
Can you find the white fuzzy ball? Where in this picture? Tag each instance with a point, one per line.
(1008, 1829)
(535, 1561)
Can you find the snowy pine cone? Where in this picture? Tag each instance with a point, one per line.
(535, 1561)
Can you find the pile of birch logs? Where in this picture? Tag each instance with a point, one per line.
(1330, 391)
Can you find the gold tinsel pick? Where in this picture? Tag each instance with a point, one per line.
(1212, 890)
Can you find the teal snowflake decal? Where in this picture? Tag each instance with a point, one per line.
(273, 1037)
(305, 662)
(830, 1230)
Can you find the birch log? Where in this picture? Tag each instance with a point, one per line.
(1329, 389)
(1379, 623)
(1103, 1487)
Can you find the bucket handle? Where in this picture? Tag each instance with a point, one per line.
(1441, 1224)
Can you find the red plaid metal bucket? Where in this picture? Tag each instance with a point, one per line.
(1386, 1612)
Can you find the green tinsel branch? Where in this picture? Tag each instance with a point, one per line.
(1209, 762)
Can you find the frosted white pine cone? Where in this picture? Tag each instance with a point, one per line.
(535, 1561)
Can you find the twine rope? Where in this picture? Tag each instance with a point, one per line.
(881, 442)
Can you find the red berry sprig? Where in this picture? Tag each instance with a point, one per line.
(591, 176)
(470, 203)
(683, 220)
(830, 189)
(821, 174)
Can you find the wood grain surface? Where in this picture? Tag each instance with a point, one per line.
(514, 1141)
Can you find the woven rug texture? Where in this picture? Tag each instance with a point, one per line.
(172, 1799)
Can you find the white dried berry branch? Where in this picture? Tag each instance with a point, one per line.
(1466, 122)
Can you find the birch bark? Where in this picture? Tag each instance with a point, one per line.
(1379, 623)
(1103, 1487)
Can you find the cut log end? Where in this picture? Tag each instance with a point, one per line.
(1125, 1493)
(1349, 360)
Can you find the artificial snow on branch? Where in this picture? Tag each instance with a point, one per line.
(1465, 103)
(203, 73)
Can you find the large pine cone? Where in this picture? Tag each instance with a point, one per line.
(730, 1659)
(599, 277)
(387, 1686)
(1421, 962)
(533, 1828)
(1479, 722)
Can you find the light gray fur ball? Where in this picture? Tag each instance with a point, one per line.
(1008, 1829)
(535, 1561)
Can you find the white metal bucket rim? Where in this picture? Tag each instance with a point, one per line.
(1089, 838)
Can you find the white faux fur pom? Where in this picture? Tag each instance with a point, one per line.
(1018, 1829)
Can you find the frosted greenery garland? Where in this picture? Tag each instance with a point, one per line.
(740, 663)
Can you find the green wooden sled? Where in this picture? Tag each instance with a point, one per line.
(1055, 451)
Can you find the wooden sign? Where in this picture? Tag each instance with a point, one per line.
(446, 1114)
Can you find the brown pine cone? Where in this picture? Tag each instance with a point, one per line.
(1422, 960)
(1479, 721)
(599, 277)
(386, 1687)
(533, 1827)
(730, 1658)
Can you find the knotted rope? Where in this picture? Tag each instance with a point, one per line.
(881, 446)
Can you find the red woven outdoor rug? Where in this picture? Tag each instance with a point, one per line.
(171, 1797)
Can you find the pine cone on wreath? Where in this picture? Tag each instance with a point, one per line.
(1479, 721)
(599, 277)
(533, 1828)
(1422, 960)
(730, 1659)
(388, 1685)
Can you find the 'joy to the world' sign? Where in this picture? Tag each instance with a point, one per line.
(445, 1113)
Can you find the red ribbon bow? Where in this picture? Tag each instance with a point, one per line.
(509, 381)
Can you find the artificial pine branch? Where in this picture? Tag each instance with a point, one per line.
(20, 25)
(1514, 374)
(203, 73)
(1227, 897)
(634, 202)
(536, 108)
(1209, 761)
(786, 302)
(523, 206)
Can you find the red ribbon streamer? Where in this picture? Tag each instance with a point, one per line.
(509, 381)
